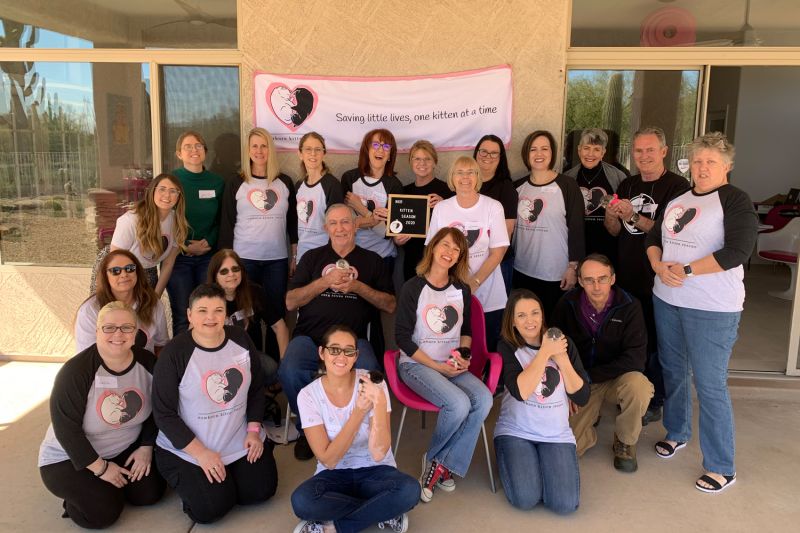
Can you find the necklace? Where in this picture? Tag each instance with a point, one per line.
(582, 172)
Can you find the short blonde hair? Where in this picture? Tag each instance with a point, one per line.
(116, 305)
(425, 146)
(713, 141)
(464, 161)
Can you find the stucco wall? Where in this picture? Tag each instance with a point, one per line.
(385, 38)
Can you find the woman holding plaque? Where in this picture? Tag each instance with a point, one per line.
(482, 221)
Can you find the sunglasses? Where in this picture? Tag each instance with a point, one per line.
(377, 146)
(124, 328)
(234, 269)
(116, 271)
(335, 350)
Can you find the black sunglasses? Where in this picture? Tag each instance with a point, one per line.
(116, 271)
(234, 269)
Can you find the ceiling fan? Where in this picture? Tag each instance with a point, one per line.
(197, 25)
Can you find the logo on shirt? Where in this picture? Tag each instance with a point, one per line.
(472, 235)
(222, 387)
(529, 209)
(549, 383)
(643, 204)
(305, 208)
(677, 218)
(116, 408)
(592, 199)
(440, 320)
(263, 200)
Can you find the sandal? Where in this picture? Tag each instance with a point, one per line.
(716, 486)
(669, 448)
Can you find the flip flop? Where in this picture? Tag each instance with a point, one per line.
(671, 450)
(716, 486)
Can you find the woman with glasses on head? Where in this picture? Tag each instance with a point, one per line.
(155, 229)
(98, 451)
(548, 240)
(544, 376)
(203, 198)
(258, 214)
(423, 159)
(315, 192)
(482, 220)
(345, 416)
(120, 278)
(490, 153)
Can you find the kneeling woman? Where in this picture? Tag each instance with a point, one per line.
(345, 416)
(433, 332)
(98, 449)
(208, 402)
(543, 375)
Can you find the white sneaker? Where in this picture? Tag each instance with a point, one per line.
(309, 526)
(398, 524)
(446, 482)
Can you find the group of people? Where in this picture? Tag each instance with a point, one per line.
(635, 310)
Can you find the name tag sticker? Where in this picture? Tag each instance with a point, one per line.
(649, 208)
(454, 295)
(243, 359)
(105, 382)
(206, 194)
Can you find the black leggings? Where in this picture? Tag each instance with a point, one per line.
(548, 291)
(204, 502)
(93, 503)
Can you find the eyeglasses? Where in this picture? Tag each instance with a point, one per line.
(234, 269)
(421, 160)
(124, 328)
(377, 146)
(190, 147)
(602, 280)
(335, 350)
(487, 153)
(116, 271)
(463, 173)
(314, 150)
(165, 190)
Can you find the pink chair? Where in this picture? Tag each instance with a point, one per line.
(480, 358)
(782, 246)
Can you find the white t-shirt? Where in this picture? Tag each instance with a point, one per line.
(541, 233)
(316, 409)
(484, 225)
(86, 327)
(260, 230)
(125, 238)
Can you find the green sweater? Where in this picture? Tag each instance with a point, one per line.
(203, 192)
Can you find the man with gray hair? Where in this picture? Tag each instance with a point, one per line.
(643, 198)
(339, 283)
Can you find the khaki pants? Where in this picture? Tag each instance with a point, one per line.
(631, 391)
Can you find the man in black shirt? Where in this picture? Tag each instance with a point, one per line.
(339, 283)
(643, 198)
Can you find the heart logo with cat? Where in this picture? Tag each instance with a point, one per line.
(305, 208)
(529, 210)
(116, 408)
(548, 384)
(440, 320)
(263, 200)
(222, 387)
(678, 217)
(592, 199)
(472, 235)
(291, 106)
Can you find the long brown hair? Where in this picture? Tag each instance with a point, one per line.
(507, 330)
(460, 270)
(144, 296)
(363, 155)
(243, 298)
(148, 222)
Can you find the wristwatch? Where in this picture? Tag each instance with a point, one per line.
(687, 269)
(634, 218)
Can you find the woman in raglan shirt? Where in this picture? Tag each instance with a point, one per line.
(203, 198)
(121, 277)
(315, 192)
(155, 229)
(533, 441)
(346, 418)
(697, 249)
(208, 403)
(98, 451)
(482, 221)
(549, 240)
(258, 213)
(434, 335)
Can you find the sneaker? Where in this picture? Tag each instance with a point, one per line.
(651, 415)
(309, 526)
(302, 450)
(446, 482)
(430, 477)
(398, 524)
(624, 456)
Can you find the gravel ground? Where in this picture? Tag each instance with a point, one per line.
(46, 240)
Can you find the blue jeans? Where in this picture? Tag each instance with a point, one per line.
(534, 472)
(301, 363)
(187, 274)
(356, 498)
(463, 401)
(273, 276)
(698, 343)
